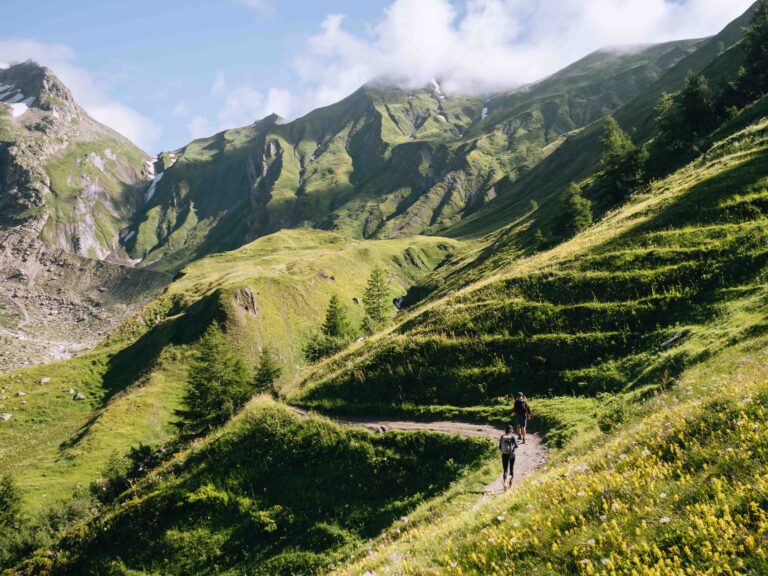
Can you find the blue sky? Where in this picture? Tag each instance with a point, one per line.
(165, 72)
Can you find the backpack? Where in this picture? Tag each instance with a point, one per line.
(521, 408)
(507, 443)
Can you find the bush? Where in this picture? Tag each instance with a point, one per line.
(613, 413)
(320, 346)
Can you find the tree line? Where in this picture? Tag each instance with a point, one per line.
(681, 121)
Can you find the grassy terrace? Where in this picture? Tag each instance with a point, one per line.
(610, 311)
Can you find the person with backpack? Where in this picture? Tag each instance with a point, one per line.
(507, 447)
(522, 415)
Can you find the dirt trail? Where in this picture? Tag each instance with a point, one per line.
(530, 455)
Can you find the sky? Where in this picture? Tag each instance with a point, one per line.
(165, 72)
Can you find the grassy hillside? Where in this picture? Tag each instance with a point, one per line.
(272, 291)
(381, 163)
(648, 367)
(718, 58)
(678, 490)
(608, 312)
(271, 494)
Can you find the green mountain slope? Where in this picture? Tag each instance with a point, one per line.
(608, 312)
(578, 156)
(284, 496)
(382, 163)
(64, 178)
(270, 292)
(619, 335)
(660, 305)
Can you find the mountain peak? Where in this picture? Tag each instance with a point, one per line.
(29, 84)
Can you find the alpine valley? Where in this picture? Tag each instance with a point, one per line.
(279, 349)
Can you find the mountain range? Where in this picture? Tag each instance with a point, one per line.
(115, 266)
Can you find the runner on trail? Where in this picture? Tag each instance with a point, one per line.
(507, 447)
(522, 415)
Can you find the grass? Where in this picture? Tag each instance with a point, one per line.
(270, 494)
(133, 381)
(54, 444)
(678, 490)
(588, 316)
(382, 163)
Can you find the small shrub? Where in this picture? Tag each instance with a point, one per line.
(614, 413)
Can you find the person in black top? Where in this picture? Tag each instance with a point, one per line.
(507, 447)
(522, 415)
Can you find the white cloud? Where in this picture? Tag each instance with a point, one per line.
(87, 92)
(198, 126)
(492, 44)
(245, 104)
(181, 109)
(265, 7)
(219, 85)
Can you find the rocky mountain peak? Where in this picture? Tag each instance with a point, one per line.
(29, 85)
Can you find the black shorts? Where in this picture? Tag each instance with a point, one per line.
(508, 464)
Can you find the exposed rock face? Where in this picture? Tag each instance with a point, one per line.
(53, 303)
(64, 177)
(247, 301)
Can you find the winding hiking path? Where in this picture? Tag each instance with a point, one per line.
(530, 455)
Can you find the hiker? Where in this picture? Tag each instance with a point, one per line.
(522, 415)
(507, 447)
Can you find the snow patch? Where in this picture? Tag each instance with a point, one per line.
(130, 235)
(484, 113)
(15, 99)
(18, 109)
(152, 187)
(443, 118)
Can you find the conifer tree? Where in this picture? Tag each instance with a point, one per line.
(616, 144)
(697, 107)
(217, 385)
(10, 502)
(376, 296)
(336, 324)
(623, 163)
(576, 211)
(756, 48)
(267, 373)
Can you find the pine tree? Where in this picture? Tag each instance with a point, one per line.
(336, 324)
(217, 385)
(616, 144)
(623, 163)
(756, 49)
(697, 107)
(576, 211)
(376, 296)
(10, 502)
(268, 372)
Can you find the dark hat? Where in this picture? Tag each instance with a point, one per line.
(508, 428)
(520, 394)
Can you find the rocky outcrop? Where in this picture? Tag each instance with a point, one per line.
(54, 304)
